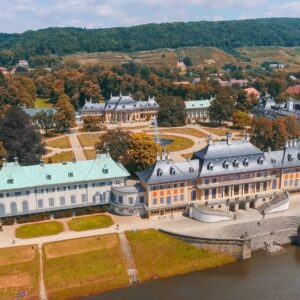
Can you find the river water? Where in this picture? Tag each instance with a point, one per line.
(261, 277)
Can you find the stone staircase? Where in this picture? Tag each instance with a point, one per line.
(278, 200)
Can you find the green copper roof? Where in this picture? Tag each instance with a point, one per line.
(198, 103)
(13, 176)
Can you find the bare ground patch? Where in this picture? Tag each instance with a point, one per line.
(77, 246)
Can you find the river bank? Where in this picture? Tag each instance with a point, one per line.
(261, 277)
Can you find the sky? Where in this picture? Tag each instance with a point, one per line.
(21, 15)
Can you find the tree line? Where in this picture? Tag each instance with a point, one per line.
(227, 35)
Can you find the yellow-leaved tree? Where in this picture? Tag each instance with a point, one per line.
(142, 152)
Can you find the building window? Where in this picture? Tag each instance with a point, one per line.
(175, 198)
(40, 203)
(83, 198)
(206, 181)
(101, 183)
(62, 200)
(1, 195)
(130, 200)
(161, 200)
(274, 184)
(193, 195)
(51, 202)
(17, 193)
(206, 194)
(168, 199)
(182, 184)
(142, 199)
(246, 188)
(2, 209)
(236, 189)
(73, 199)
(120, 199)
(213, 193)
(214, 180)
(181, 197)
(25, 207)
(154, 201)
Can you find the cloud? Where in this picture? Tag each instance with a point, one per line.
(289, 9)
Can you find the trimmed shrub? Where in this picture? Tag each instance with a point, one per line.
(8, 221)
(33, 218)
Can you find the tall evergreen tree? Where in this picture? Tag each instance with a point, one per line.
(20, 138)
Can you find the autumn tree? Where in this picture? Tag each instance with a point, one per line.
(267, 133)
(117, 143)
(171, 112)
(20, 138)
(93, 123)
(142, 152)
(241, 119)
(221, 109)
(65, 114)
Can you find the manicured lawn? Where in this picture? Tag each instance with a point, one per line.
(221, 131)
(19, 271)
(42, 103)
(88, 139)
(90, 154)
(60, 157)
(179, 143)
(81, 267)
(188, 131)
(62, 142)
(40, 229)
(159, 255)
(90, 222)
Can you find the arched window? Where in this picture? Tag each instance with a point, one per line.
(13, 208)
(2, 209)
(193, 195)
(25, 207)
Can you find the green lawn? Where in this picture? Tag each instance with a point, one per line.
(160, 255)
(88, 139)
(42, 103)
(60, 157)
(90, 154)
(185, 130)
(39, 229)
(90, 222)
(61, 142)
(81, 267)
(19, 271)
(180, 143)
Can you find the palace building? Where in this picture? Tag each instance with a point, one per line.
(197, 110)
(50, 187)
(223, 177)
(122, 109)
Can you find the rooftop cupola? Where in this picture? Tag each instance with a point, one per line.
(247, 137)
(229, 138)
(16, 161)
(209, 140)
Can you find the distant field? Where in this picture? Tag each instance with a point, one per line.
(201, 57)
(258, 55)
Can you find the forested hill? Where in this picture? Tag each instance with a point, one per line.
(226, 35)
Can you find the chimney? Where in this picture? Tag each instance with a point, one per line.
(4, 161)
(229, 137)
(163, 155)
(209, 140)
(42, 163)
(247, 137)
(168, 155)
(158, 156)
(16, 161)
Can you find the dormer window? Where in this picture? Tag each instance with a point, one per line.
(48, 177)
(236, 163)
(246, 162)
(172, 171)
(10, 181)
(159, 172)
(225, 164)
(298, 155)
(260, 160)
(290, 157)
(105, 170)
(70, 174)
(210, 166)
(191, 170)
(273, 160)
